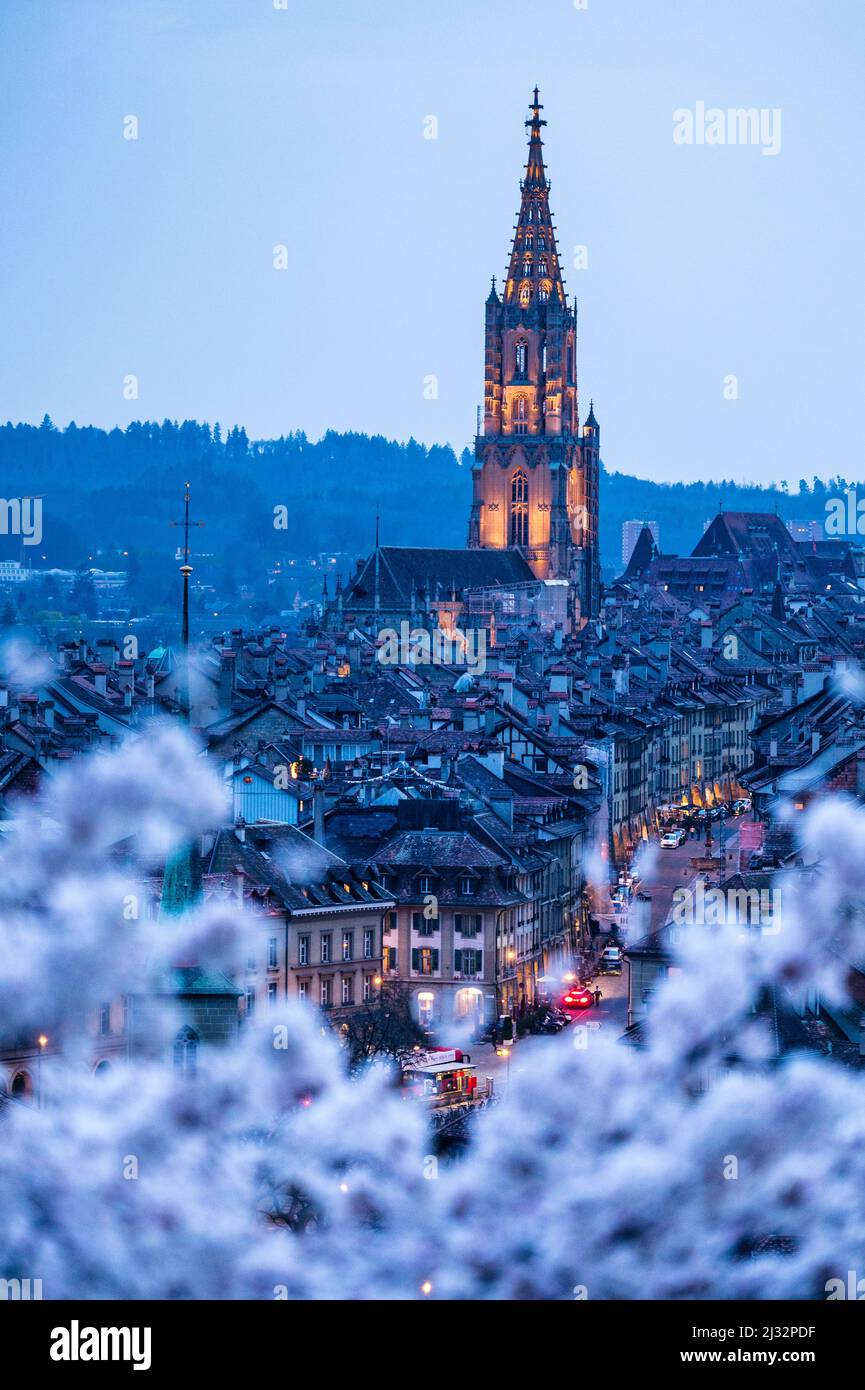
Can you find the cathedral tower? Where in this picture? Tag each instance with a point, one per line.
(535, 472)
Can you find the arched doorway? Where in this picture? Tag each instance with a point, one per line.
(425, 1001)
(469, 1003)
(186, 1053)
(22, 1086)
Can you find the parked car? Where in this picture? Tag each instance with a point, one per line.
(611, 961)
(671, 839)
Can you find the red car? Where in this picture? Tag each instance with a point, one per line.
(578, 998)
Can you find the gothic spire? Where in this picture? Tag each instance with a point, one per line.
(534, 274)
(536, 174)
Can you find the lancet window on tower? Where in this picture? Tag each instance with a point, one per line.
(521, 359)
(520, 508)
(521, 416)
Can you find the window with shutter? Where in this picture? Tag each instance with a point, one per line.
(458, 961)
(415, 958)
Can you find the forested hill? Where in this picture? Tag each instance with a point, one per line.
(117, 490)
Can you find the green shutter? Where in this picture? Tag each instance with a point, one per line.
(479, 962)
(458, 921)
(458, 960)
(415, 958)
(435, 960)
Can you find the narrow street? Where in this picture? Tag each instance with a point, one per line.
(611, 1017)
(665, 871)
(669, 869)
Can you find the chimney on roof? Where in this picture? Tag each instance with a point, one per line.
(503, 806)
(240, 830)
(46, 709)
(108, 649)
(280, 680)
(127, 696)
(300, 707)
(227, 668)
(125, 675)
(621, 675)
(82, 649)
(100, 678)
(707, 634)
(318, 832)
(815, 741)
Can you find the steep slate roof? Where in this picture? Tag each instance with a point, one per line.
(642, 554)
(301, 874)
(433, 572)
(439, 849)
(759, 534)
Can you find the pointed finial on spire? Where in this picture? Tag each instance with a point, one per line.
(377, 519)
(535, 121)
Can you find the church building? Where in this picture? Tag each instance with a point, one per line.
(534, 512)
(536, 469)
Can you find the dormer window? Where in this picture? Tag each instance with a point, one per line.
(466, 886)
(425, 883)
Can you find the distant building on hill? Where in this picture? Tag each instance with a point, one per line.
(631, 534)
(805, 530)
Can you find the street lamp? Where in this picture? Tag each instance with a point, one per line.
(43, 1043)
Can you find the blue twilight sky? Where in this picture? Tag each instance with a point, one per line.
(304, 126)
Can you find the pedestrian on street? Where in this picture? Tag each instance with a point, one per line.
(598, 996)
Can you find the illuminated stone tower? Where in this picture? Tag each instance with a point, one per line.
(536, 471)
